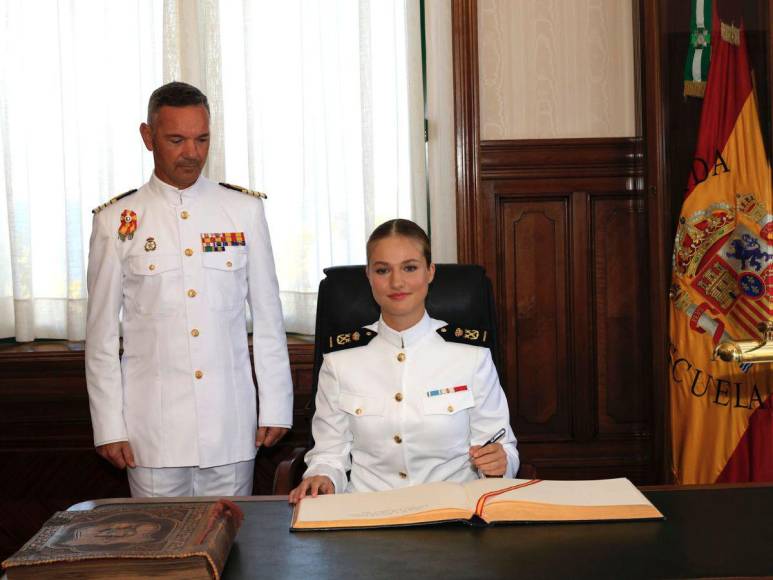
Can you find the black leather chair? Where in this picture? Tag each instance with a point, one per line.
(460, 294)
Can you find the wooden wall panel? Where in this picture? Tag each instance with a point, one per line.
(622, 333)
(572, 301)
(596, 419)
(556, 69)
(534, 336)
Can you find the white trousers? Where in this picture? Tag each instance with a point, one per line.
(229, 479)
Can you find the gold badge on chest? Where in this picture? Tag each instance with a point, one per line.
(150, 244)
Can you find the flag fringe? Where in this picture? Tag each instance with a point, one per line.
(695, 89)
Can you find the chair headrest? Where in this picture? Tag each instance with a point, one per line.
(459, 294)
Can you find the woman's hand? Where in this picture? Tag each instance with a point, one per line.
(314, 486)
(490, 460)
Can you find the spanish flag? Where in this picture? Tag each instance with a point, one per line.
(722, 284)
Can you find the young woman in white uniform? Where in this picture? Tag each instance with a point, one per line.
(400, 404)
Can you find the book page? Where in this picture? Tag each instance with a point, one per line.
(545, 500)
(479, 487)
(597, 492)
(396, 505)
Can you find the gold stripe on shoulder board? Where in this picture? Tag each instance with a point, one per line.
(252, 192)
(110, 202)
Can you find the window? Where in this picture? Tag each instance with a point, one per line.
(318, 101)
(73, 80)
(319, 104)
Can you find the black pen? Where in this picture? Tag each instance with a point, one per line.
(496, 437)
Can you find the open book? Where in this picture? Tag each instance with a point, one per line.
(490, 500)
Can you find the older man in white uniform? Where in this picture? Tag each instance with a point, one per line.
(179, 258)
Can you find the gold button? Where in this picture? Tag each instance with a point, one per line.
(152, 267)
(184, 214)
(198, 374)
(229, 264)
(398, 439)
(195, 332)
(450, 408)
(191, 293)
(403, 475)
(398, 397)
(358, 411)
(401, 357)
(188, 252)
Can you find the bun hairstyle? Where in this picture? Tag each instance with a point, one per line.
(400, 227)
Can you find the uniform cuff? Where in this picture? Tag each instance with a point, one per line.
(339, 480)
(108, 441)
(104, 434)
(513, 462)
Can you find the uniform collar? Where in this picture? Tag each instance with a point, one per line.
(173, 195)
(408, 337)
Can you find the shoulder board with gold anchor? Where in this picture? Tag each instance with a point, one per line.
(457, 333)
(344, 340)
(253, 193)
(98, 209)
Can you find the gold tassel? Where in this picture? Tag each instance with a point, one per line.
(695, 89)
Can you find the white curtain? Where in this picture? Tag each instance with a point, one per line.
(324, 113)
(441, 153)
(316, 102)
(74, 79)
(192, 54)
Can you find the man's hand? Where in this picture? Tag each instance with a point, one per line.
(490, 460)
(314, 486)
(119, 454)
(269, 435)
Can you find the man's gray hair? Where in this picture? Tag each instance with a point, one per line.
(175, 94)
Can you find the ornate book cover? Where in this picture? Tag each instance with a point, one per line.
(178, 540)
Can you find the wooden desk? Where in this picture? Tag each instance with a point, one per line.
(709, 531)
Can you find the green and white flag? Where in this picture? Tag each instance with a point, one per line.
(696, 68)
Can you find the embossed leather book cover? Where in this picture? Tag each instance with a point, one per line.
(117, 541)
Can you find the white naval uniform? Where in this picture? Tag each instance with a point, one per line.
(374, 404)
(182, 393)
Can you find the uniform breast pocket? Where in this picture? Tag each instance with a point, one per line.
(226, 276)
(153, 284)
(446, 424)
(365, 412)
(448, 403)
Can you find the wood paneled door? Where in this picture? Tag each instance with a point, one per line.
(562, 228)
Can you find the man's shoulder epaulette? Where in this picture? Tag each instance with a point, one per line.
(457, 333)
(253, 193)
(110, 202)
(344, 340)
